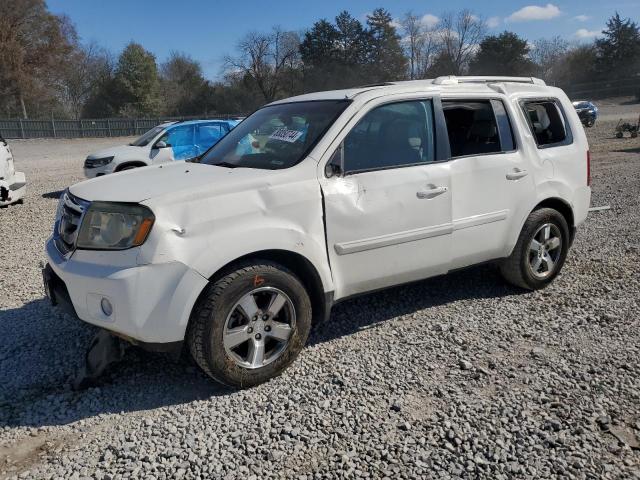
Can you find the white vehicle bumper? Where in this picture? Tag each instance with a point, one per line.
(17, 188)
(98, 171)
(151, 303)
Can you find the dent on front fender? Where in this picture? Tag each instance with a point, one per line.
(206, 232)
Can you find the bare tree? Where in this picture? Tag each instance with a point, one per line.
(460, 34)
(413, 31)
(86, 68)
(265, 58)
(546, 54)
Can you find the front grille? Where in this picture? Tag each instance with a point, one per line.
(68, 225)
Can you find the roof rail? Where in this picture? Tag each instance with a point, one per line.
(454, 80)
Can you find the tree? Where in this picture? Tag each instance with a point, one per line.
(413, 31)
(618, 52)
(82, 75)
(319, 44)
(33, 44)
(335, 56)
(350, 46)
(460, 34)
(504, 54)
(386, 58)
(546, 54)
(183, 88)
(576, 66)
(135, 82)
(265, 61)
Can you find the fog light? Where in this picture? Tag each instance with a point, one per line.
(106, 307)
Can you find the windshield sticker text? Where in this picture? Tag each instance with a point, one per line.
(286, 135)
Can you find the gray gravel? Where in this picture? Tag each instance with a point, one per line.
(454, 377)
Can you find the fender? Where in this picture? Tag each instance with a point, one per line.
(546, 190)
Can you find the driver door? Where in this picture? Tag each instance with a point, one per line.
(389, 211)
(180, 145)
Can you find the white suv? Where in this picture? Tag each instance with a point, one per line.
(317, 198)
(12, 183)
(167, 142)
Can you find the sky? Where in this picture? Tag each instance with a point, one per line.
(209, 29)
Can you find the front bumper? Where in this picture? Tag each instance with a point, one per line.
(151, 303)
(15, 190)
(98, 171)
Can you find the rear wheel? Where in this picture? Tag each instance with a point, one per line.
(540, 251)
(250, 325)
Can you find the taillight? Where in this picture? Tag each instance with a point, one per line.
(588, 168)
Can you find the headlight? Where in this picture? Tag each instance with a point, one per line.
(97, 162)
(114, 226)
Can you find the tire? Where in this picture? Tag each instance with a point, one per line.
(218, 316)
(518, 268)
(619, 134)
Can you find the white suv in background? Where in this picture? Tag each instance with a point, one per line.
(340, 193)
(167, 142)
(12, 183)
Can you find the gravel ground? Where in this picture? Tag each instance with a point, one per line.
(454, 377)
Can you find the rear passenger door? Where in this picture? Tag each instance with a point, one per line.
(490, 179)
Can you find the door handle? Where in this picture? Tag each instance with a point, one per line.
(517, 174)
(432, 192)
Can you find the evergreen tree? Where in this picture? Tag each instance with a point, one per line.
(618, 52)
(386, 57)
(504, 54)
(136, 82)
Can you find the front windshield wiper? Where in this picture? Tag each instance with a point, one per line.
(225, 164)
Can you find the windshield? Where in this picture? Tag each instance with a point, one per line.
(147, 137)
(277, 136)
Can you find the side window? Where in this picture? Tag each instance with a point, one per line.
(472, 128)
(392, 135)
(208, 134)
(547, 123)
(179, 136)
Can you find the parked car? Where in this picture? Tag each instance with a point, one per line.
(340, 193)
(587, 112)
(165, 143)
(12, 183)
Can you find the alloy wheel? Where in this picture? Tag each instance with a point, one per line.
(258, 328)
(545, 249)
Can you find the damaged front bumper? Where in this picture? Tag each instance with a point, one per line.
(14, 191)
(150, 305)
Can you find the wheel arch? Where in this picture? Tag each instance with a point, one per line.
(565, 210)
(555, 202)
(130, 163)
(297, 263)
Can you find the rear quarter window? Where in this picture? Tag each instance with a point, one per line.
(547, 122)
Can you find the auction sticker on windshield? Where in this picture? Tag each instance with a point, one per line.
(286, 135)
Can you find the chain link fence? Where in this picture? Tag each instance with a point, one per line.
(99, 127)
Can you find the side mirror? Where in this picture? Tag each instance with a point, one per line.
(335, 166)
(162, 144)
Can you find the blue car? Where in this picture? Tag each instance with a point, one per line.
(171, 141)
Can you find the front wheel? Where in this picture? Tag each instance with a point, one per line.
(250, 325)
(540, 251)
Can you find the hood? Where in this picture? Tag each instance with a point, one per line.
(144, 183)
(126, 151)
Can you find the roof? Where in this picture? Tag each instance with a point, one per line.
(195, 122)
(440, 84)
